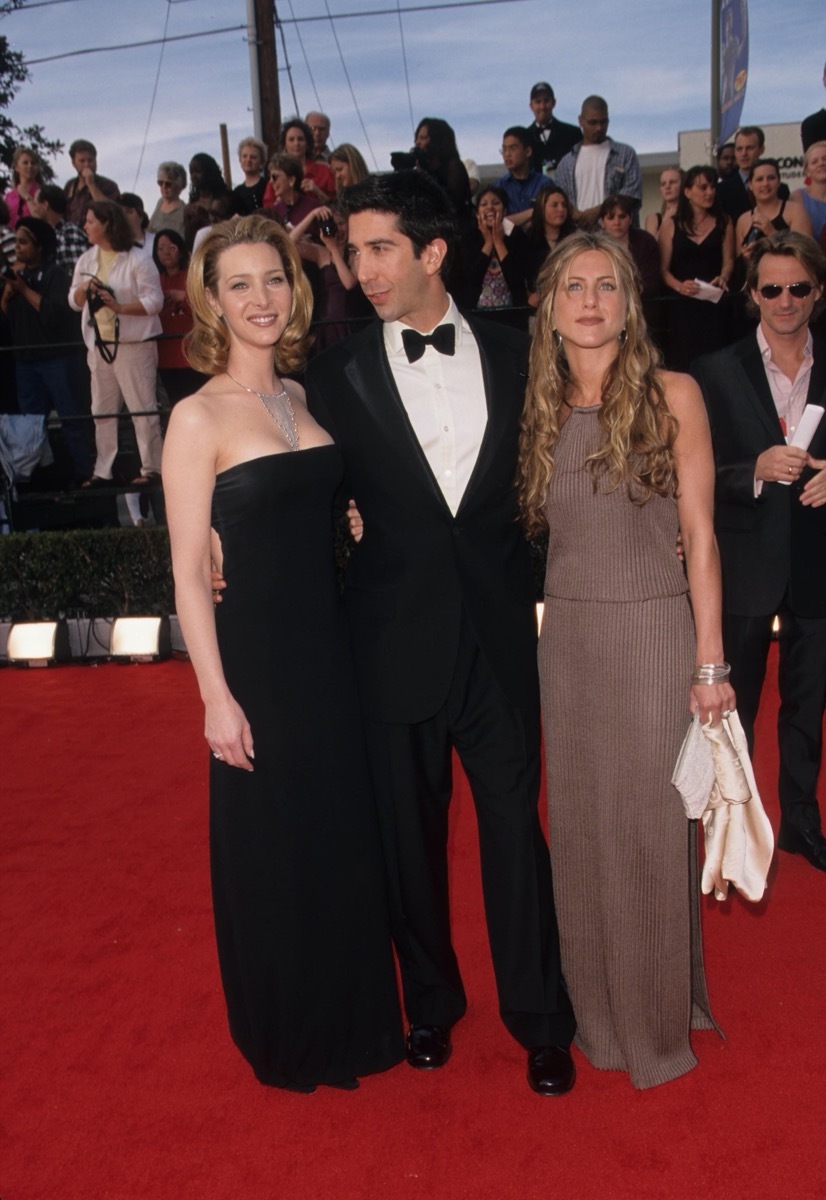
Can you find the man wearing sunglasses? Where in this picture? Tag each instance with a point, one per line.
(771, 516)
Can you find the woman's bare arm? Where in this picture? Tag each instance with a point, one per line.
(695, 507)
(189, 464)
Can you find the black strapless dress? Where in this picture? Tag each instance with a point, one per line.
(297, 875)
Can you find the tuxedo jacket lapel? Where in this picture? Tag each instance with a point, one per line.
(497, 374)
(758, 393)
(817, 383)
(370, 375)
(817, 395)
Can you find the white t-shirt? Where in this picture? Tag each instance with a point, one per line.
(590, 175)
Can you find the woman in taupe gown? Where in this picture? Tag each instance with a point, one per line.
(615, 459)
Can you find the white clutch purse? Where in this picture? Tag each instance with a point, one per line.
(715, 779)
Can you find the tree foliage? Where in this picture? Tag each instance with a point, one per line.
(13, 74)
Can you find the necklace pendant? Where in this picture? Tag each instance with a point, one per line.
(281, 412)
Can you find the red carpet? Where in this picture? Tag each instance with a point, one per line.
(120, 1081)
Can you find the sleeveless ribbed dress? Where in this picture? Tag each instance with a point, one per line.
(615, 658)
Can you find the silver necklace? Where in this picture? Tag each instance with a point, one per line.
(282, 412)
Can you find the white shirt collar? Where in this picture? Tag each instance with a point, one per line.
(766, 351)
(393, 329)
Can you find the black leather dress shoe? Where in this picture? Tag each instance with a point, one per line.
(551, 1070)
(427, 1046)
(809, 842)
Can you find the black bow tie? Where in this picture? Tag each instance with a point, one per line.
(443, 339)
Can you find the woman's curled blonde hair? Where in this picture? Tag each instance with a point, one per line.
(639, 431)
(206, 346)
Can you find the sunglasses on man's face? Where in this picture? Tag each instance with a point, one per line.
(770, 291)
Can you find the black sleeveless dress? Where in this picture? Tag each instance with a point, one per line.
(696, 327)
(297, 875)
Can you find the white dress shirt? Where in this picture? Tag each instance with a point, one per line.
(444, 397)
(789, 395)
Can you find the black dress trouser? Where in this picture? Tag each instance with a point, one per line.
(499, 747)
(802, 686)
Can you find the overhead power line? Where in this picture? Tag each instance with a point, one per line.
(185, 37)
(178, 37)
(288, 67)
(350, 85)
(385, 12)
(154, 93)
(406, 75)
(304, 55)
(42, 4)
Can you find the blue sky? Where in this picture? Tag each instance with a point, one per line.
(473, 65)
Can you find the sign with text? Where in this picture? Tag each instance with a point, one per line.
(734, 64)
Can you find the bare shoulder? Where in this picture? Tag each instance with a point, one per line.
(196, 429)
(682, 394)
(194, 414)
(686, 404)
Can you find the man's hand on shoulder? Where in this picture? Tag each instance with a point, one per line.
(355, 521)
(218, 584)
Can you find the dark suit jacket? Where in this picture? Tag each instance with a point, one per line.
(562, 138)
(772, 543)
(418, 568)
(734, 195)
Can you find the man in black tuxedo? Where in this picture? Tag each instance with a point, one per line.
(732, 191)
(440, 600)
(550, 139)
(771, 517)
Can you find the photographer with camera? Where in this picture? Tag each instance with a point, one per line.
(42, 328)
(436, 153)
(337, 301)
(118, 290)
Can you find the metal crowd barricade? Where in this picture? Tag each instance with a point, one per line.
(656, 310)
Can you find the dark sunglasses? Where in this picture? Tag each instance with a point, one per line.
(770, 291)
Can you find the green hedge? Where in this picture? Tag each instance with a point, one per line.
(93, 573)
(108, 573)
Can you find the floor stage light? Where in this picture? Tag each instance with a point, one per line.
(38, 643)
(140, 639)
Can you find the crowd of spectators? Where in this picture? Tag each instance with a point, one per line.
(86, 263)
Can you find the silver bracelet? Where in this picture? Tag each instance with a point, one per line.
(708, 673)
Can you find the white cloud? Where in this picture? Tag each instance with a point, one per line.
(473, 67)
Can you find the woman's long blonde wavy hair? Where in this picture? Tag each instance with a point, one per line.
(639, 431)
(206, 346)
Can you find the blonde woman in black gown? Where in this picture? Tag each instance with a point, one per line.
(297, 880)
(616, 457)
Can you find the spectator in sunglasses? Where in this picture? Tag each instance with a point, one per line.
(771, 516)
(169, 211)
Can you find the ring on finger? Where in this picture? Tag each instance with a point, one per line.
(217, 754)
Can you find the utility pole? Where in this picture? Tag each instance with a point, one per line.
(266, 100)
(715, 74)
